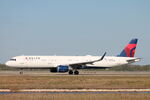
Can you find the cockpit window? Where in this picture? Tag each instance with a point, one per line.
(12, 59)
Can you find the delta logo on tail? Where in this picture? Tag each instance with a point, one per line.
(129, 50)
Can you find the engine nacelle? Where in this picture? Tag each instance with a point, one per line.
(61, 69)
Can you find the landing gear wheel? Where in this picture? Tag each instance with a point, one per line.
(76, 72)
(70, 72)
(21, 73)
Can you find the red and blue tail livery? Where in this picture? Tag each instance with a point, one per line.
(129, 50)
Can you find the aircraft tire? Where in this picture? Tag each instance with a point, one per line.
(76, 72)
(70, 72)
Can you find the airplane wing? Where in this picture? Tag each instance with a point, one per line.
(88, 62)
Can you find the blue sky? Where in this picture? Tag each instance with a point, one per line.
(73, 27)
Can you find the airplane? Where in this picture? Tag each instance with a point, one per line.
(71, 64)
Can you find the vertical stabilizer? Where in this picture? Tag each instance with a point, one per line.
(130, 49)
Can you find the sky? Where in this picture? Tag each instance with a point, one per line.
(73, 27)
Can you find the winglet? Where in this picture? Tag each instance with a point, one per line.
(102, 57)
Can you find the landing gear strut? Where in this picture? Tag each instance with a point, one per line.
(75, 72)
(21, 71)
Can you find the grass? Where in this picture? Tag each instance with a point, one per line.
(50, 82)
(75, 97)
(73, 82)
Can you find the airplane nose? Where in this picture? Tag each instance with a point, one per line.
(7, 63)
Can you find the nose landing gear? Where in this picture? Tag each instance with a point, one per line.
(21, 72)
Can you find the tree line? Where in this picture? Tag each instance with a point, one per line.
(117, 68)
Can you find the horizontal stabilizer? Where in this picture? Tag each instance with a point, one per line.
(134, 60)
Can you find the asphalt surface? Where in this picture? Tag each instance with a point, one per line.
(82, 73)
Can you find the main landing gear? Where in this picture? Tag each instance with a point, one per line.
(75, 72)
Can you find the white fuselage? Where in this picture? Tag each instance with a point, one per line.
(54, 61)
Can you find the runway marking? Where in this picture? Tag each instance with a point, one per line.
(84, 90)
(76, 90)
(5, 90)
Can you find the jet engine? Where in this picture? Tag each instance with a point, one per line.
(61, 69)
